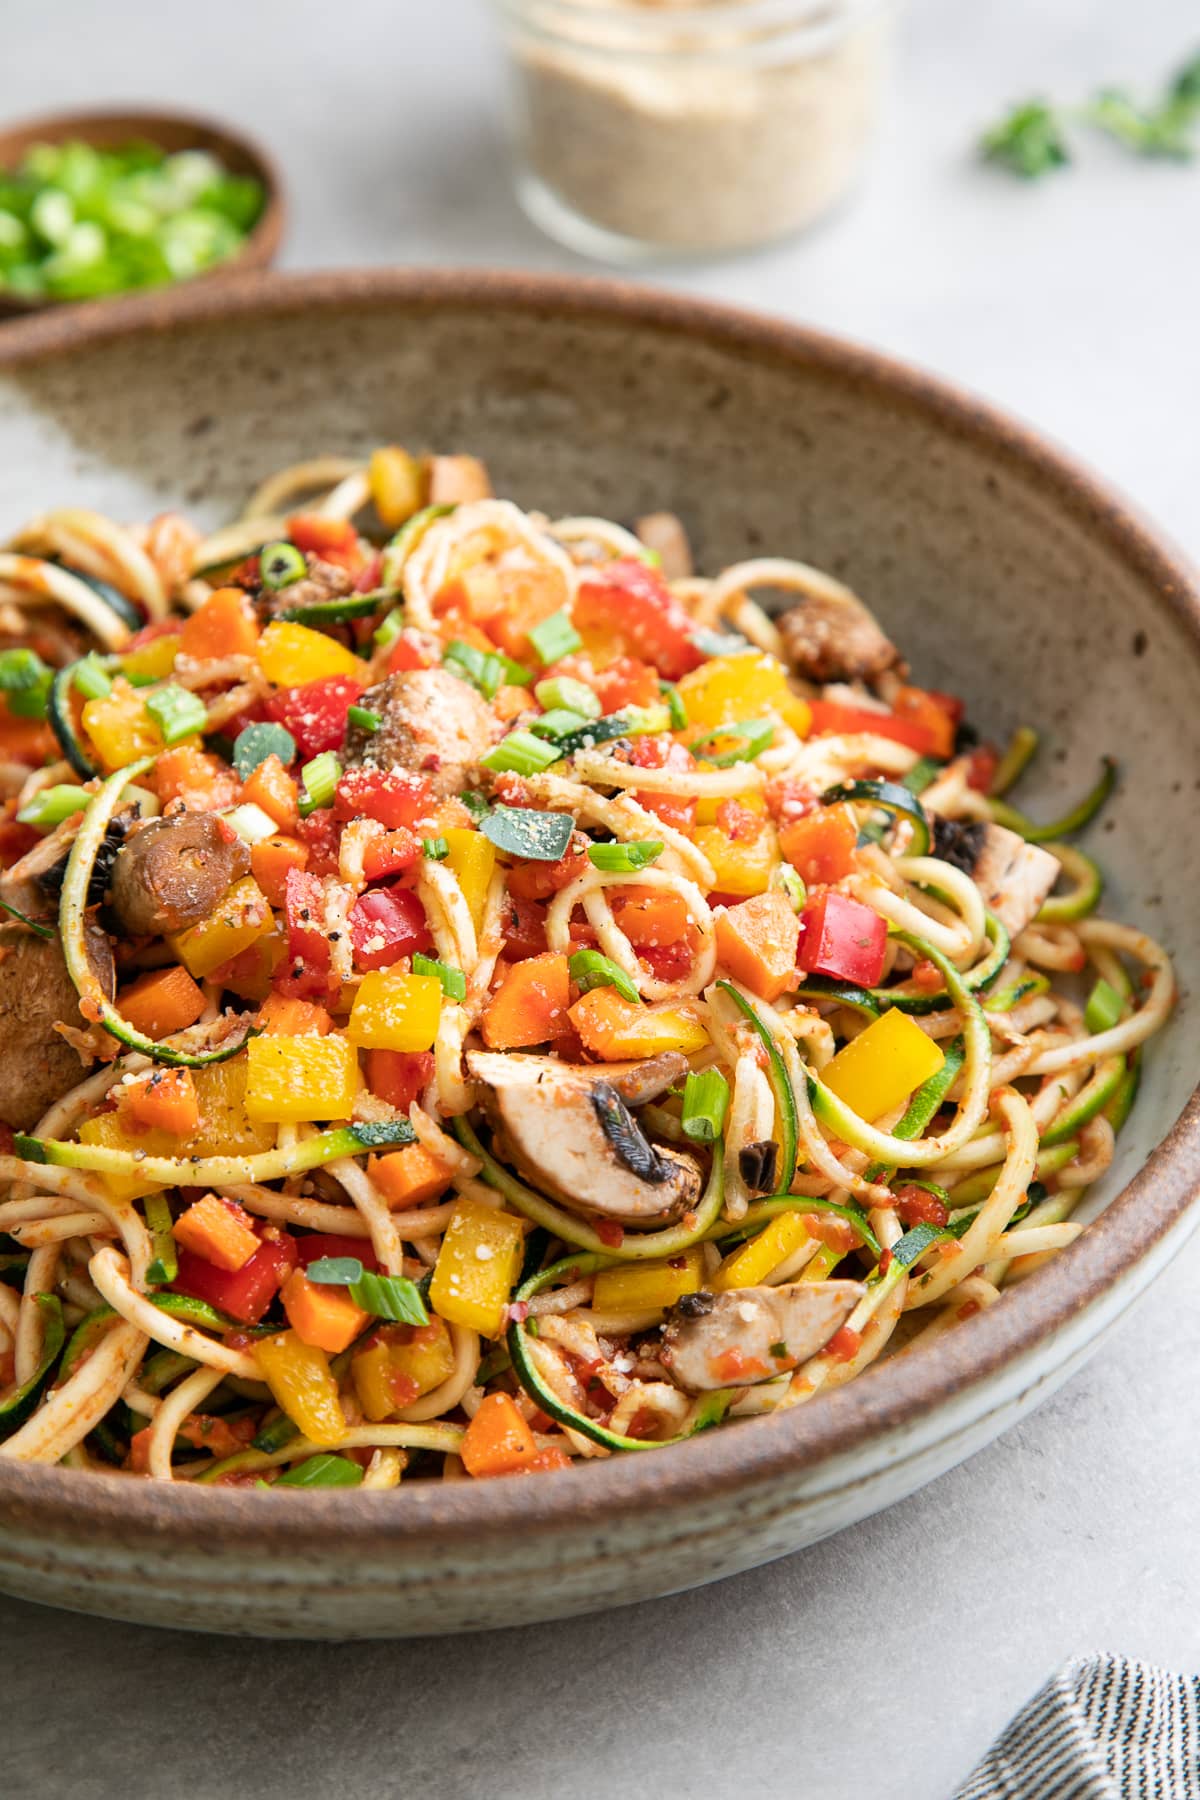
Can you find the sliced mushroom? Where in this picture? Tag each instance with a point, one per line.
(1014, 877)
(747, 1335)
(431, 724)
(835, 638)
(570, 1131)
(172, 873)
(36, 994)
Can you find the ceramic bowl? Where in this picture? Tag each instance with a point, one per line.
(170, 131)
(1008, 574)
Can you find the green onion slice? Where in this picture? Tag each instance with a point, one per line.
(559, 722)
(592, 969)
(392, 1297)
(385, 634)
(90, 678)
(25, 682)
(624, 859)
(177, 712)
(280, 565)
(705, 1104)
(322, 1471)
(565, 693)
(520, 753)
(52, 805)
(319, 779)
(486, 670)
(435, 848)
(454, 982)
(755, 736)
(364, 718)
(555, 637)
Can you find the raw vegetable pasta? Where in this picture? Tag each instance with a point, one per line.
(481, 996)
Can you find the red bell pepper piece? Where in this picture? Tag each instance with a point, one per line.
(843, 939)
(916, 731)
(632, 599)
(308, 973)
(523, 923)
(315, 1244)
(386, 924)
(662, 752)
(388, 795)
(332, 540)
(392, 854)
(408, 653)
(399, 1076)
(372, 572)
(244, 1293)
(315, 714)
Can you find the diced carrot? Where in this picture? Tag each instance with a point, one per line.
(219, 1231)
(164, 1001)
(202, 781)
(222, 625)
(757, 942)
(164, 1100)
(271, 787)
(281, 1017)
(821, 847)
(409, 1176)
(530, 1005)
(322, 1316)
(650, 916)
(270, 861)
(497, 1441)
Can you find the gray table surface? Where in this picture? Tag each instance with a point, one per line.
(884, 1660)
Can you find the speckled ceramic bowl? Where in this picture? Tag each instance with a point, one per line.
(1006, 572)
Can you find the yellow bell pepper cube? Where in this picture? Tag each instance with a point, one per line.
(751, 1263)
(477, 1267)
(290, 1079)
(237, 921)
(743, 866)
(472, 857)
(292, 655)
(153, 661)
(394, 478)
(649, 1286)
(395, 1011)
(617, 1030)
(119, 727)
(728, 688)
(226, 1128)
(299, 1377)
(108, 1131)
(882, 1066)
(400, 1364)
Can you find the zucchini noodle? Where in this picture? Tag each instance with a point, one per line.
(582, 1003)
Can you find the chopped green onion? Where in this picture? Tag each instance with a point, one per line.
(435, 848)
(705, 1103)
(322, 1471)
(520, 753)
(925, 770)
(536, 836)
(591, 969)
(557, 722)
(786, 879)
(319, 779)
(392, 1297)
(488, 671)
(1104, 1007)
(364, 718)
(280, 565)
(675, 706)
(478, 805)
(177, 712)
(756, 735)
(454, 982)
(250, 822)
(385, 634)
(25, 683)
(623, 859)
(555, 637)
(564, 691)
(256, 742)
(52, 805)
(90, 677)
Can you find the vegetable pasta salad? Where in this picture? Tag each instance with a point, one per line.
(479, 995)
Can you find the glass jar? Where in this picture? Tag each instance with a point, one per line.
(688, 126)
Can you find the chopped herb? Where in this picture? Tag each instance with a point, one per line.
(321, 1471)
(392, 1297)
(256, 742)
(1028, 142)
(537, 836)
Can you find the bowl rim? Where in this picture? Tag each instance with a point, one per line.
(51, 1502)
(258, 248)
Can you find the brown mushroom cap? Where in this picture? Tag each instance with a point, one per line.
(36, 993)
(172, 872)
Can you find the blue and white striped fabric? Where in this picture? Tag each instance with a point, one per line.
(1103, 1728)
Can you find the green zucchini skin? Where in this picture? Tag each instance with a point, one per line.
(900, 801)
(17, 1408)
(58, 714)
(126, 610)
(333, 612)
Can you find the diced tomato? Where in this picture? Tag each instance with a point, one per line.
(844, 1344)
(512, 790)
(662, 752)
(309, 969)
(388, 795)
(399, 1076)
(916, 732)
(629, 598)
(333, 540)
(981, 768)
(738, 822)
(370, 574)
(668, 962)
(734, 1365)
(315, 1244)
(386, 924)
(842, 938)
(534, 880)
(315, 714)
(916, 1206)
(524, 926)
(391, 854)
(244, 1293)
(610, 1232)
(321, 832)
(408, 652)
(828, 1229)
(623, 681)
(788, 799)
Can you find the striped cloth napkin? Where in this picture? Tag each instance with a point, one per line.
(1103, 1728)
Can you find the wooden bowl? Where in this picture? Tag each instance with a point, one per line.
(109, 130)
(1009, 574)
